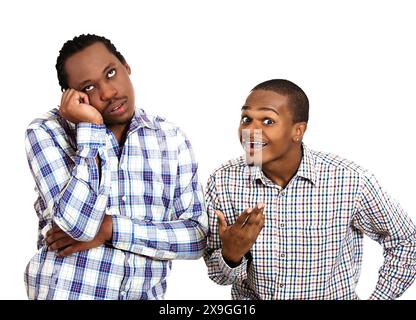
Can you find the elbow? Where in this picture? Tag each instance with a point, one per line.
(201, 242)
(78, 226)
(76, 230)
(78, 234)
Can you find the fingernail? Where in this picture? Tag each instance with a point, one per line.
(249, 210)
(260, 205)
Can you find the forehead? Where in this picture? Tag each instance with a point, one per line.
(88, 63)
(258, 99)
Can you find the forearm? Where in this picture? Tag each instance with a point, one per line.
(222, 272)
(181, 239)
(72, 188)
(398, 271)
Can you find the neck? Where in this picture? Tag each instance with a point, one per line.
(119, 131)
(282, 170)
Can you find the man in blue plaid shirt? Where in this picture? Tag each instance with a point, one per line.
(287, 222)
(118, 190)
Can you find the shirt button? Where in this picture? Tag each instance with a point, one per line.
(283, 255)
(282, 193)
(282, 225)
(123, 293)
(124, 198)
(281, 285)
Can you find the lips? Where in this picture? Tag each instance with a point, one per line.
(253, 145)
(117, 107)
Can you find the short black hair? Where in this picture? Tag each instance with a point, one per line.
(299, 102)
(75, 45)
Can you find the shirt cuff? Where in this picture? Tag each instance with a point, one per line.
(123, 233)
(90, 134)
(238, 273)
(383, 291)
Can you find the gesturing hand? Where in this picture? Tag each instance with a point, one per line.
(237, 239)
(75, 108)
(56, 239)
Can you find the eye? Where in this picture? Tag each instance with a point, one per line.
(245, 120)
(268, 121)
(88, 88)
(111, 73)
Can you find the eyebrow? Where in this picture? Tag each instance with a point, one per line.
(245, 107)
(83, 83)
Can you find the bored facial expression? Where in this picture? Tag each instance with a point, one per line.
(266, 127)
(105, 79)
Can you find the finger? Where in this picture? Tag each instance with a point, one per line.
(53, 230)
(62, 243)
(253, 230)
(65, 96)
(243, 217)
(259, 207)
(77, 247)
(84, 97)
(222, 223)
(55, 237)
(254, 217)
(71, 97)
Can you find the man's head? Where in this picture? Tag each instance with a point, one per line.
(273, 120)
(92, 64)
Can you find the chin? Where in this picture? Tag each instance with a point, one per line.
(254, 160)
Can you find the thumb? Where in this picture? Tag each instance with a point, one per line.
(222, 224)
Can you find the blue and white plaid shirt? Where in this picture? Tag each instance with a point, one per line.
(311, 243)
(151, 191)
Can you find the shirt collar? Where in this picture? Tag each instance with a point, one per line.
(140, 119)
(306, 168)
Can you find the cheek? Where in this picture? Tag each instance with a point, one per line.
(96, 102)
(277, 137)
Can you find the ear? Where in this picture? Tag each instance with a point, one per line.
(127, 68)
(299, 131)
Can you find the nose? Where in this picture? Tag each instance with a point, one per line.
(107, 91)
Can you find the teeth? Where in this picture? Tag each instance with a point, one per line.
(255, 143)
(116, 108)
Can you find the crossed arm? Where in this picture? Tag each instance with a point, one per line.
(77, 196)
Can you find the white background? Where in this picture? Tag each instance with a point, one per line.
(194, 62)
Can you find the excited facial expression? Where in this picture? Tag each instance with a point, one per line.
(105, 79)
(267, 131)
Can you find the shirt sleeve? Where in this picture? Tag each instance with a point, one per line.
(70, 186)
(182, 238)
(382, 219)
(218, 270)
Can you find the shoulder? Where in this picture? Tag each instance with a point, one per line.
(231, 168)
(159, 123)
(49, 121)
(325, 161)
(49, 127)
(166, 130)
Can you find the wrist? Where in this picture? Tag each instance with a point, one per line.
(231, 260)
(97, 121)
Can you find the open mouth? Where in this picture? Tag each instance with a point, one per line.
(254, 145)
(118, 107)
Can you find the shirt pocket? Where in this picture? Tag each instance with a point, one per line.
(160, 202)
(317, 250)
